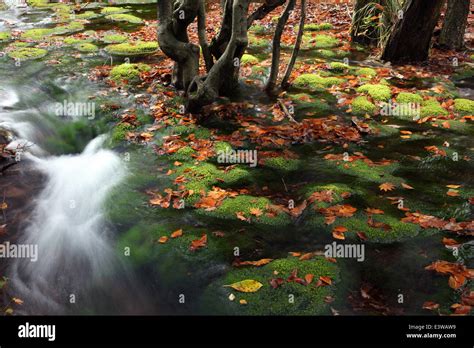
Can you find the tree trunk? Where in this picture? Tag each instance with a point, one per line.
(223, 76)
(454, 28)
(296, 49)
(410, 41)
(272, 79)
(174, 42)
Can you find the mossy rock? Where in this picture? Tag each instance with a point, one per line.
(259, 29)
(87, 15)
(39, 3)
(464, 106)
(72, 27)
(242, 204)
(315, 82)
(120, 131)
(133, 49)
(310, 105)
(27, 53)
(317, 27)
(258, 43)
(113, 10)
(405, 98)
(367, 72)
(128, 72)
(362, 106)
(249, 59)
(86, 47)
(378, 92)
(184, 154)
(308, 299)
(432, 107)
(37, 34)
(281, 164)
(125, 18)
(74, 41)
(319, 41)
(338, 67)
(5, 36)
(364, 172)
(337, 190)
(114, 38)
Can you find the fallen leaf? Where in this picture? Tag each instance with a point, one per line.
(430, 305)
(386, 186)
(247, 285)
(199, 243)
(163, 239)
(177, 233)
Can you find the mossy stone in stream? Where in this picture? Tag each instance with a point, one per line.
(126, 206)
(314, 81)
(405, 98)
(113, 10)
(5, 36)
(125, 18)
(281, 164)
(87, 15)
(338, 67)
(86, 47)
(231, 208)
(39, 3)
(133, 48)
(249, 59)
(74, 41)
(184, 154)
(362, 106)
(368, 72)
(317, 27)
(378, 92)
(27, 53)
(308, 299)
(120, 131)
(114, 38)
(432, 107)
(464, 106)
(319, 41)
(72, 27)
(37, 34)
(128, 72)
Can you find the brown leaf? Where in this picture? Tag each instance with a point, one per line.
(430, 305)
(386, 186)
(199, 243)
(177, 233)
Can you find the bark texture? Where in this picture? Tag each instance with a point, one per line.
(454, 28)
(410, 41)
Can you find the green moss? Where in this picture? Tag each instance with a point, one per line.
(114, 38)
(132, 49)
(184, 154)
(113, 10)
(222, 146)
(317, 27)
(27, 53)
(327, 53)
(120, 131)
(242, 204)
(73, 41)
(464, 106)
(365, 172)
(259, 29)
(86, 47)
(36, 34)
(310, 105)
(5, 36)
(128, 72)
(338, 67)
(313, 81)
(362, 106)
(432, 107)
(69, 28)
(258, 43)
(282, 164)
(319, 41)
(378, 92)
(249, 59)
(366, 72)
(87, 15)
(308, 299)
(405, 98)
(39, 3)
(125, 18)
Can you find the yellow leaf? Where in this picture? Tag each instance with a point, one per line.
(163, 239)
(386, 186)
(177, 233)
(3, 206)
(247, 285)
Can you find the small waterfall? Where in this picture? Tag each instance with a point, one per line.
(68, 228)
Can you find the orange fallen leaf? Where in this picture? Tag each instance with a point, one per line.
(430, 305)
(309, 278)
(256, 212)
(406, 186)
(199, 243)
(177, 233)
(163, 239)
(386, 186)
